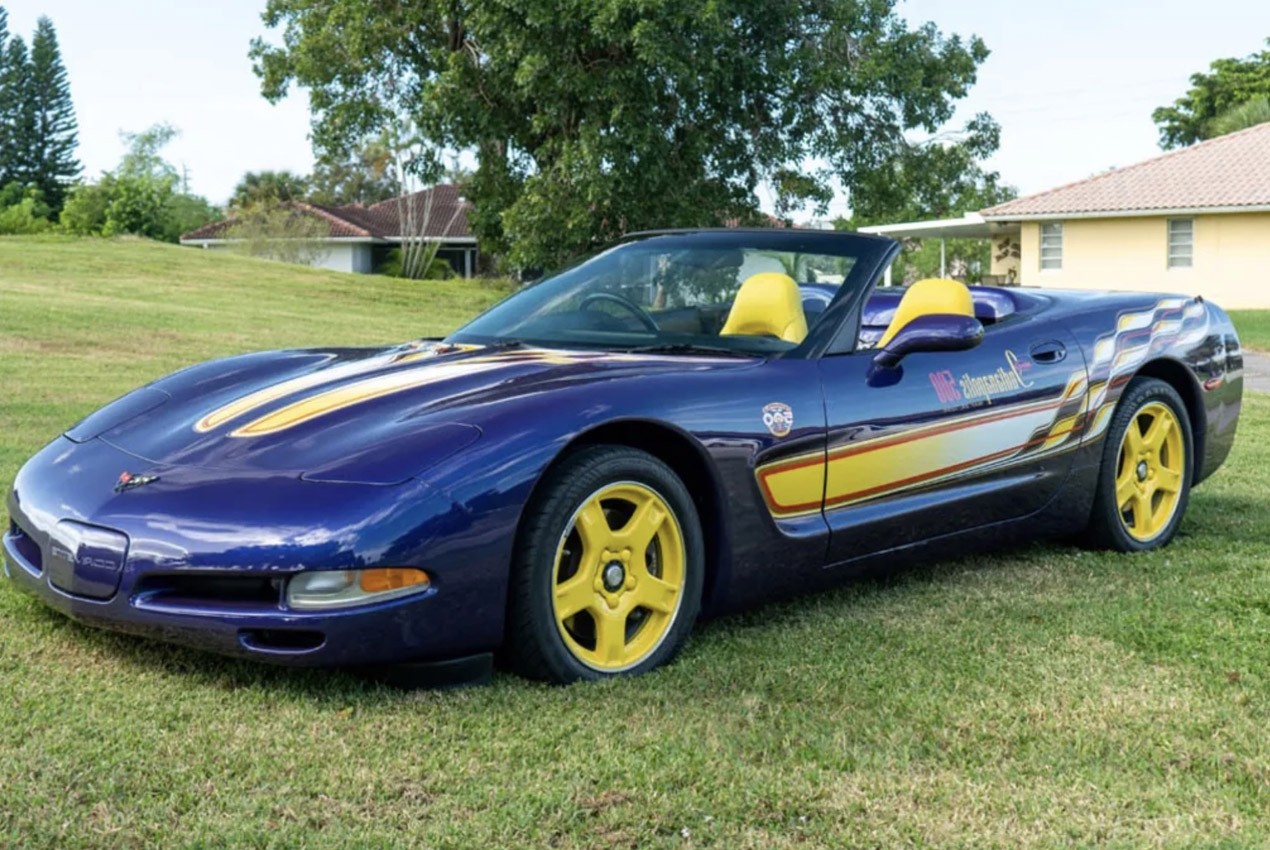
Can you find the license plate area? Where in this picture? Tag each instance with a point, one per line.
(85, 560)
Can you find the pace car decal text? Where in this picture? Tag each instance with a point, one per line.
(1006, 379)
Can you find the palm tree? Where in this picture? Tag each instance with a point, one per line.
(269, 188)
(1241, 117)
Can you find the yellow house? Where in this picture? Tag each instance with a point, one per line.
(1195, 220)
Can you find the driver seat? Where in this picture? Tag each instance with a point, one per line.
(930, 297)
(767, 304)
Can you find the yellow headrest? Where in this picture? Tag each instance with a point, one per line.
(767, 304)
(932, 296)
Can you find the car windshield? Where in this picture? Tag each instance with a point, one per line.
(748, 292)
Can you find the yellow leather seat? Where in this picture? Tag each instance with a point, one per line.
(929, 297)
(767, 304)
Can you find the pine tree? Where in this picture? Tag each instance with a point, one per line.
(6, 108)
(17, 115)
(54, 167)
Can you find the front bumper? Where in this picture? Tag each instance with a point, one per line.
(193, 582)
(374, 634)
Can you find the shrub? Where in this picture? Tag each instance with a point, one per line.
(22, 218)
(436, 268)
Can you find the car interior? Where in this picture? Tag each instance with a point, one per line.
(743, 298)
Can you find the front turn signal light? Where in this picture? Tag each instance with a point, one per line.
(323, 589)
(385, 579)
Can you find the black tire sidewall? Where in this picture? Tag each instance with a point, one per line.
(539, 650)
(1106, 521)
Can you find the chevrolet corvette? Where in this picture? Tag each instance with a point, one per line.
(687, 423)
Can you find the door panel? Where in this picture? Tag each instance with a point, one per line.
(961, 440)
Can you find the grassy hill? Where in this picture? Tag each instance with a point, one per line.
(1044, 697)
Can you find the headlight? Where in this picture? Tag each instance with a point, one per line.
(322, 589)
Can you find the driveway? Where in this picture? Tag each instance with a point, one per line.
(1257, 372)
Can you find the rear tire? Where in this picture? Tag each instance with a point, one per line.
(1147, 466)
(608, 571)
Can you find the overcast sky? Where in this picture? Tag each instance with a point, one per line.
(1072, 82)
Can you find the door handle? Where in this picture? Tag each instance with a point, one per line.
(1049, 352)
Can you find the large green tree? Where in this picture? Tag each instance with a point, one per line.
(52, 147)
(591, 119)
(1229, 84)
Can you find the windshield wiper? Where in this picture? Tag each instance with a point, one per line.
(690, 348)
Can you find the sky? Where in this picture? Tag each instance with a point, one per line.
(1072, 82)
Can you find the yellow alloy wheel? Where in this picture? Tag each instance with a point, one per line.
(619, 577)
(1149, 473)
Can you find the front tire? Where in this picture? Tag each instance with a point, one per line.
(609, 569)
(1147, 466)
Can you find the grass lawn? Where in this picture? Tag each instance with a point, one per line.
(1253, 327)
(1044, 697)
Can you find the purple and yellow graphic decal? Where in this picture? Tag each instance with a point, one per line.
(262, 398)
(970, 444)
(1139, 336)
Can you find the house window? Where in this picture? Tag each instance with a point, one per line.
(1052, 245)
(1181, 242)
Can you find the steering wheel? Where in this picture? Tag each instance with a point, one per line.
(622, 301)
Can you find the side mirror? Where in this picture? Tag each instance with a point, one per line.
(936, 332)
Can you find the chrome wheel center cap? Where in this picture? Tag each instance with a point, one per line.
(1142, 470)
(614, 577)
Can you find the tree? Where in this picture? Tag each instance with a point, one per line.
(140, 197)
(938, 178)
(417, 164)
(622, 114)
(1241, 117)
(269, 188)
(6, 98)
(183, 213)
(1231, 83)
(287, 234)
(142, 185)
(366, 178)
(84, 213)
(52, 146)
(143, 158)
(17, 114)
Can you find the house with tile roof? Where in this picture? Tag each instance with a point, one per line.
(1195, 220)
(359, 238)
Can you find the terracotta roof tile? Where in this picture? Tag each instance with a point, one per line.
(447, 217)
(1227, 172)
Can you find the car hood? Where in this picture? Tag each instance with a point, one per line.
(374, 416)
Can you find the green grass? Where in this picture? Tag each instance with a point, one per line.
(1043, 697)
(1253, 327)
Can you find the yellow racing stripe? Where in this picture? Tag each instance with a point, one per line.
(311, 408)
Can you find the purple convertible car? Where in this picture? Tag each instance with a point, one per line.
(688, 423)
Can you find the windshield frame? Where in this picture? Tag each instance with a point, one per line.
(871, 255)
